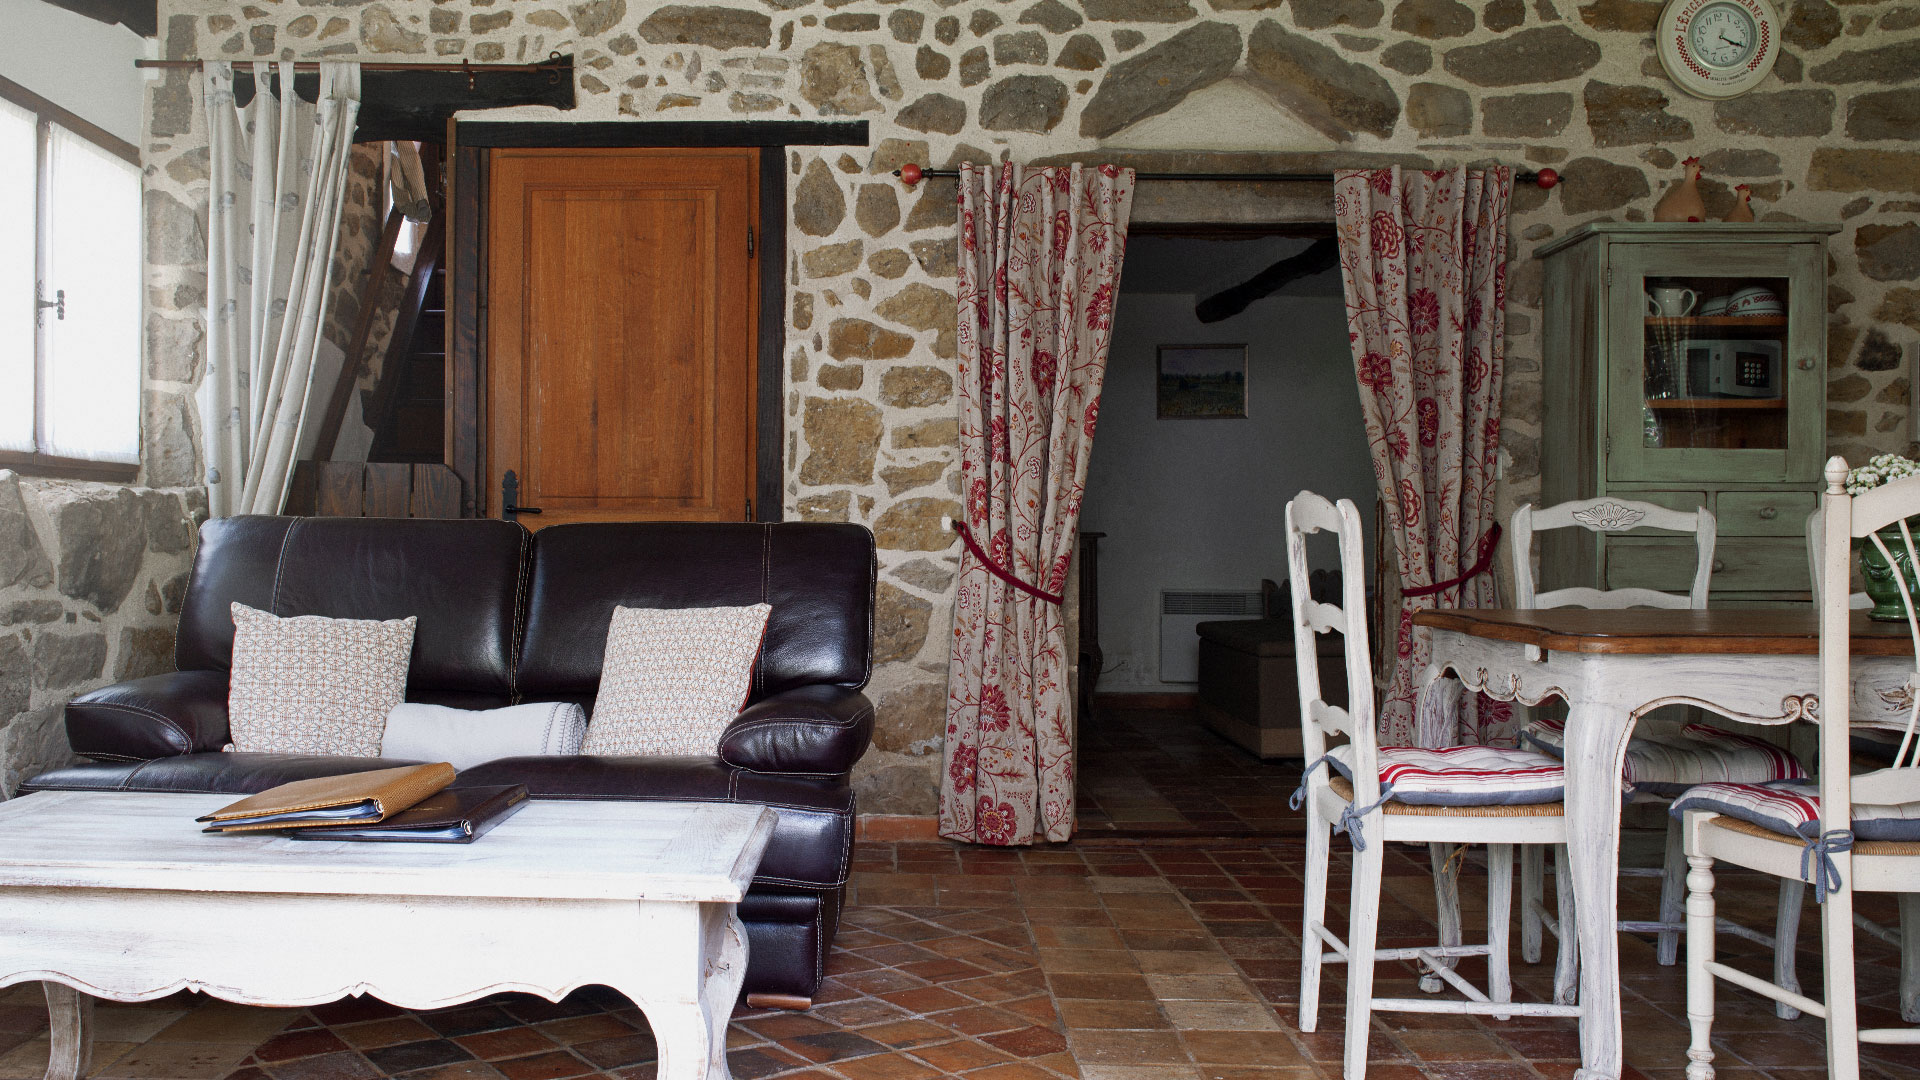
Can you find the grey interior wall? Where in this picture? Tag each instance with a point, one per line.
(1200, 503)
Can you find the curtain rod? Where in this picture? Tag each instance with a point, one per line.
(913, 174)
(553, 66)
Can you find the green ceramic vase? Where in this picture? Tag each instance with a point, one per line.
(1881, 586)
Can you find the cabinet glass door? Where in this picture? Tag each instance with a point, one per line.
(1711, 351)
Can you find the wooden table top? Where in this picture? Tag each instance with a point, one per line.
(1656, 631)
(552, 849)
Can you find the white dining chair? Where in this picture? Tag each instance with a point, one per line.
(1656, 768)
(1842, 833)
(1878, 745)
(1384, 794)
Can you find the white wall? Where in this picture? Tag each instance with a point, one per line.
(1201, 503)
(82, 65)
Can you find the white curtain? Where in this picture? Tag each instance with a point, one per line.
(279, 175)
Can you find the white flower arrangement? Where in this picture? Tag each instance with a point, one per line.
(1880, 469)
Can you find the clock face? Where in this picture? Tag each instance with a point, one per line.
(1723, 36)
(1717, 48)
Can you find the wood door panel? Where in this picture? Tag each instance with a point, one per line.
(622, 333)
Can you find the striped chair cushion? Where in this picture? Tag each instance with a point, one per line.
(1463, 775)
(1792, 808)
(1703, 754)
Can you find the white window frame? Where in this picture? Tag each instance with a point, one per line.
(47, 114)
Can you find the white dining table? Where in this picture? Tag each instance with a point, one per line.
(1755, 666)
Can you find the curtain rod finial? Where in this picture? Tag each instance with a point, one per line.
(1547, 178)
(909, 174)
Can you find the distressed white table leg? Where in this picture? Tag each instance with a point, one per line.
(692, 1034)
(70, 1018)
(1532, 891)
(1566, 961)
(1499, 918)
(1673, 873)
(1786, 945)
(1596, 742)
(1910, 957)
(1446, 894)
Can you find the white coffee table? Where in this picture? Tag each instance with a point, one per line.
(120, 896)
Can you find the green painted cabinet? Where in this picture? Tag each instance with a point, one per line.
(1685, 365)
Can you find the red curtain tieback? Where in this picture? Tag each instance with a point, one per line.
(1488, 544)
(1001, 572)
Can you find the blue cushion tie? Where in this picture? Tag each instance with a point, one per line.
(1299, 796)
(1816, 861)
(1349, 817)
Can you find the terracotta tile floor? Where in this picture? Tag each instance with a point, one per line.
(1147, 772)
(1106, 959)
(1162, 944)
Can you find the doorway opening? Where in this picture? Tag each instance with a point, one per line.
(1229, 389)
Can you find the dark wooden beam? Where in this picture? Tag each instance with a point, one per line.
(415, 104)
(608, 133)
(769, 424)
(1320, 256)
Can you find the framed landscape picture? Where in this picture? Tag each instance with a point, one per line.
(1202, 382)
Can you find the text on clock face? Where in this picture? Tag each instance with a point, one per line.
(1721, 35)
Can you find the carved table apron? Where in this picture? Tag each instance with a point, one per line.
(1607, 692)
(119, 896)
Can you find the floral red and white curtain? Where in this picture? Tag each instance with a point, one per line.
(1040, 254)
(1423, 255)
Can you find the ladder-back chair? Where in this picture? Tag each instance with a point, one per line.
(1380, 795)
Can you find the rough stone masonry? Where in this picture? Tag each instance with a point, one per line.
(870, 420)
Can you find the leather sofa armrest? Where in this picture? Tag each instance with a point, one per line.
(181, 712)
(810, 730)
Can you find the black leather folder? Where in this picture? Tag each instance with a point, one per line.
(454, 816)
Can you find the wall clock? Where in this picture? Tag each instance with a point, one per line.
(1718, 48)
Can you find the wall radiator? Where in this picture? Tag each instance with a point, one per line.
(1183, 609)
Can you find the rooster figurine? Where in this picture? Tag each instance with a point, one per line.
(1682, 202)
(1742, 210)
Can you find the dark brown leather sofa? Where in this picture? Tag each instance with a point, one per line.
(506, 616)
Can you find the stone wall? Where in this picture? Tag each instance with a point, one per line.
(870, 416)
(91, 577)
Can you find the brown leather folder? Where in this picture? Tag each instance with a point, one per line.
(356, 798)
(454, 816)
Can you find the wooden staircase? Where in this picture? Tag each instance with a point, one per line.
(405, 474)
(407, 409)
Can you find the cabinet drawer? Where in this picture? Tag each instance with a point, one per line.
(1764, 513)
(1740, 565)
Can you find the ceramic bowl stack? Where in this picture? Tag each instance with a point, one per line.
(1755, 301)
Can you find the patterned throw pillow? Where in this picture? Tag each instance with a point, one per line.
(673, 679)
(311, 685)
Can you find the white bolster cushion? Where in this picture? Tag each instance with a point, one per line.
(468, 737)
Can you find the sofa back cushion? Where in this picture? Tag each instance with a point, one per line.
(463, 579)
(819, 579)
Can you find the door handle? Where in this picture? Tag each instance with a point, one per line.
(510, 498)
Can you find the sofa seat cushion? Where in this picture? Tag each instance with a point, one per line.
(210, 773)
(812, 844)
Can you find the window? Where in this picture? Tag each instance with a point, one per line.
(70, 285)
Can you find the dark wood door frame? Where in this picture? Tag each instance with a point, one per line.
(467, 255)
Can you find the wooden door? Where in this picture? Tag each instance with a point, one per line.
(621, 333)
